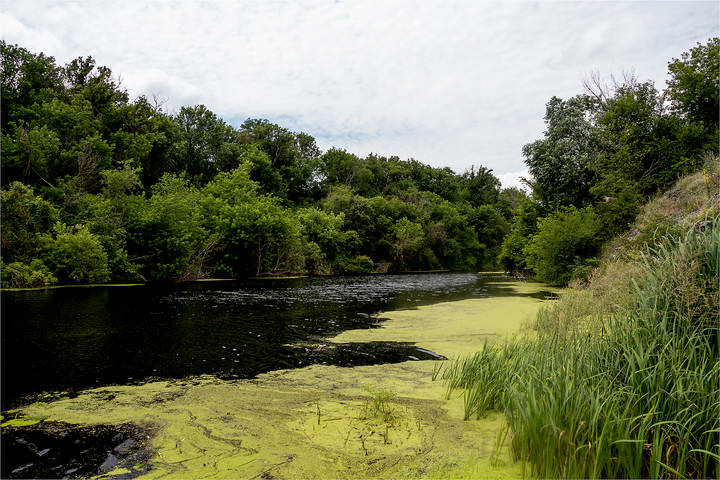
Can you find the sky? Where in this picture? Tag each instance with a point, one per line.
(449, 83)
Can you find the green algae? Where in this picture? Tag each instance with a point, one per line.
(313, 422)
(455, 328)
(20, 422)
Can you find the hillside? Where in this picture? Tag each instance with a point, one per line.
(693, 200)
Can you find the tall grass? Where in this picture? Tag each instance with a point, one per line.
(623, 383)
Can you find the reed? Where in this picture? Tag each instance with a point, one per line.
(380, 406)
(620, 383)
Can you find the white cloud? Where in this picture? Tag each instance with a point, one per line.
(448, 83)
(514, 179)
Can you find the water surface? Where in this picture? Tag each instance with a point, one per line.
(74, 338)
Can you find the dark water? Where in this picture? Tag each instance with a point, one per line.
(74, 338)
(55, 450)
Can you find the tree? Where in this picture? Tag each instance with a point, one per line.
(341, 167)
(165, 230)
(407, 238)
(641, 146)
(26, 80)
(564, 241)
(561, 162)
(75, 255)
(207, 143)
(512, 256)
(491, 228)
(24, 216)
(694, 85)
(481, 186)
(257, 237)
(295, 156)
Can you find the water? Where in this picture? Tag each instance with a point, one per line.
(74, 338)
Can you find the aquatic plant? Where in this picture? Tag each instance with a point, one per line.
(619, 382)
(379, 406)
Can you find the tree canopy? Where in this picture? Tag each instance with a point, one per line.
(98, 186)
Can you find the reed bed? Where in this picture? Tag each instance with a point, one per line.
(620, 383)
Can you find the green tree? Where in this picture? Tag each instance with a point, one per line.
(481, 186)
(512, 252)
(20, 275)
(564, 242)
(407, 238)
(26, 80)
(258, 237)
(165, 230)
(694, 84)
(207, 142)
(24, 216)
(491, 228)
(560, 163)
(640, 143)
(295, 156)
(75, 255)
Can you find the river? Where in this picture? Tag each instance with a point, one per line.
(78, 338)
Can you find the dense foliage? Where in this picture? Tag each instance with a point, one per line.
(97, 186)
(605, 153)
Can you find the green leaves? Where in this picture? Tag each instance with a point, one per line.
(75, 254)
(694, 84)
(563, 242)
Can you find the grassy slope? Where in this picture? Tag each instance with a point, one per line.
(621, 378)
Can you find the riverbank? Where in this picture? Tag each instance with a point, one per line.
(381, 421)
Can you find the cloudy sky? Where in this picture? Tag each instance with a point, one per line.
(450, 83)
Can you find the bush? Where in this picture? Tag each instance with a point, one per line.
(358, 265)
(20, 275)
(24, 216)
(512, 256)
(75, 255)
(564, 242)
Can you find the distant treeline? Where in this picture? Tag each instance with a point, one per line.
(99, 187)
(604, 154)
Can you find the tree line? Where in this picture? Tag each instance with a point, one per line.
(99, 187)
(604, 153)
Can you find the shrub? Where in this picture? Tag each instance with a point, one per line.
(75, 255)
(358, 265)
(20, 275)
(564, 242)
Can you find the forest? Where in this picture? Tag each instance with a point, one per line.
(98, 187)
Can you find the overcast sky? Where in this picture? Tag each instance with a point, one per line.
(448, 83)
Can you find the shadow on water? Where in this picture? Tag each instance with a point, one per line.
(75, 338)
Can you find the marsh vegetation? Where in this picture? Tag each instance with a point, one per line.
(618, 381)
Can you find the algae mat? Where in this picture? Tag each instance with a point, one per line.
(382, 421)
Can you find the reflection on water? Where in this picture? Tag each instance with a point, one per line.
(72, 338)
